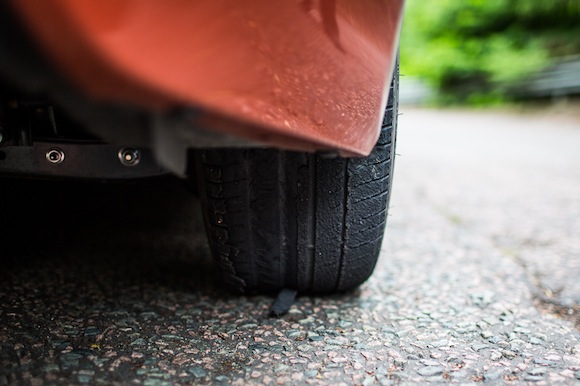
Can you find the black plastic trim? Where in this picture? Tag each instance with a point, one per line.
(91, 161)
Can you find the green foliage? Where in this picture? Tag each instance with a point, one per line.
(475, 50)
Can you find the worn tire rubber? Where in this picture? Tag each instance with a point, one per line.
(279, 219)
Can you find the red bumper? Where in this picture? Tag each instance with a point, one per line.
(300, 74)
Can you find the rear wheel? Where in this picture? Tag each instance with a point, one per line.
(279, 219)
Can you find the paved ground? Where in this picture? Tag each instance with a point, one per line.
(477, 282)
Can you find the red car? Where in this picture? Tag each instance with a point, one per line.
(283, 113)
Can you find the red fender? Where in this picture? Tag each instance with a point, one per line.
(302, 74)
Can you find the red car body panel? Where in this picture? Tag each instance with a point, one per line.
(299, 74)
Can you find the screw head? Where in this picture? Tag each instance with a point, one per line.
(129, 156)
(55, 155)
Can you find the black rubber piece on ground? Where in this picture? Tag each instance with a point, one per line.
(279, 219)
(283, 302)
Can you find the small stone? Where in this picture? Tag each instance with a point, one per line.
(149, 315)
(344, 324)
(543, 362)
(495, 356)
(537, 371)
(369, 328)
(420, 345)
(294, 334)
(154, 382)
(92, 331)
(535, 341)
(515, 348)
(577, 374)
(494, 339)
(453, 358)
(307, 320)
(486, 334)
(197, 372)
(59, 343)
(171, 337)
(70, 356)
(50, 367)
(280, 369)
(337, 341)
(490, 320)
(297, 377)
(221, 378)
(367, 355)
(494, 376)
(542, 337)
(311, 373)
(304, 348)
(138, 342)
(554, 358)
(518, 342)
(479, 347)
(533, 378)
(503, 343)
(508, 354)
(431, 371)
(441, 344)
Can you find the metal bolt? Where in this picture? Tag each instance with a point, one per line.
(55, 156)
(129, 156)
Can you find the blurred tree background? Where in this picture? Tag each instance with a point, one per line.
(479, 51)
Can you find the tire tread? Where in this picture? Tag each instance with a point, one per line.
(280, 219)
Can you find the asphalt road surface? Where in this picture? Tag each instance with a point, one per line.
(477, 282)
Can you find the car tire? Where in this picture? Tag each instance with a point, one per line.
(281, 219)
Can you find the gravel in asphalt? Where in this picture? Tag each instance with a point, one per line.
(113, 284)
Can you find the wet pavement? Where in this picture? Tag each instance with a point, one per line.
(477, 282)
